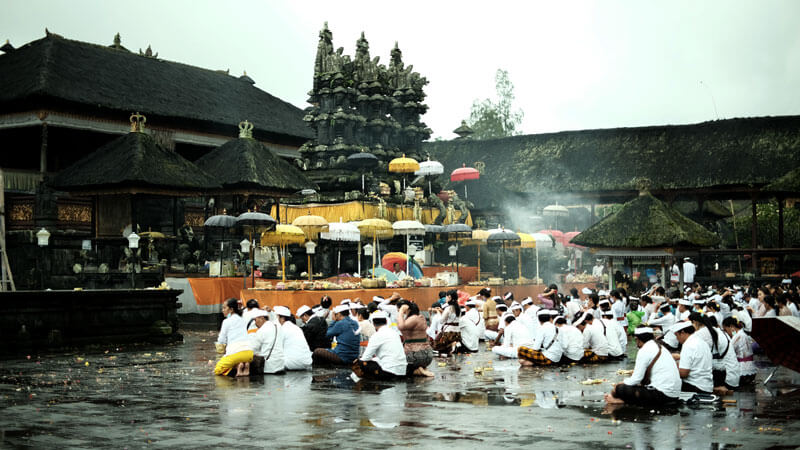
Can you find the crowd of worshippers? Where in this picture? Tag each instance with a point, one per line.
(692, 341)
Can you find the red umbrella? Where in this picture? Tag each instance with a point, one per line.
(465, 173)
(463, 297)
(568, 237)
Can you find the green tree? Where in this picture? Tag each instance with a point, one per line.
(493, 119)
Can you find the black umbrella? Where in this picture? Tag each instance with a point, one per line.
(255, 220)
(363, 160)
(433, 229)
(773, 334)
(223, 222)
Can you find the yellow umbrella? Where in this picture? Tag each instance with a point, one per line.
(282, 236)
(378, 229)
(478, 237)
(403, 165)
(525, 241)
(312, 226)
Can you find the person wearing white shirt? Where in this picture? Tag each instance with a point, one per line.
(233, 341)
(595, 343)
(529, 310)
(724, 366)
(267, 343)
(743, 346)
(744, 317)
(571, 341)
(689, 270)
(618, 308)
(611, 331)
(545, 349)
(684, 309)
(665, 321)
(655, 380)
(597, 270)
(694, 360)
(384, 358)
(296, 354)
(469, 326)
(516, 335)
(436, 322)
(491, 335)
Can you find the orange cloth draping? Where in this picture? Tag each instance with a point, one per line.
(423, 296)
(467, 273)
(214, 291)
(356, 210)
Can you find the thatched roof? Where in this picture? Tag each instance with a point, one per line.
(646, 222)
(134, 163)
(114, 82)
(721, 154)
(787, 184)
(246, 165)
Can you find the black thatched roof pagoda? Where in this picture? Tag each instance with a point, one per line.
(109, 80)
(246, 166)
(646, 222)
(134, 163)
(722, 157)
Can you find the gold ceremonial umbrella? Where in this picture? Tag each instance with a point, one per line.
(403, 165)
(283, 236)
(378, 229)
(312, 226)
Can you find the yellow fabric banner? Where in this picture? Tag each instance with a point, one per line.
(356, 210)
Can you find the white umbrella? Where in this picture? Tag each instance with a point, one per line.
(341, 232)
(555, 211)
(408, 228)
(541, 240)
(429, 168)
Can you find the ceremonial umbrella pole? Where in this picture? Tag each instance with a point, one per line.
(479, 237)
(525, 241)
(457, 232)
(542, 240)
(255, 221)
(502, 236)
(363, 161)
(408, 228)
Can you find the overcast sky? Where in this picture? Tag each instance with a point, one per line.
(574, 65)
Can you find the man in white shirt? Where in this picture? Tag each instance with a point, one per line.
(665, 321)
(545, 349)
(688, 270)
(571, 341)
(296, 354)
(516, 335)
(267, 343)
(469, 325)
(618, 308)
(597, 270)
(684, 309)
(384, 358)
(526, 319)
(655, 380)
(595, 343)
(611, 331)
(695, 360)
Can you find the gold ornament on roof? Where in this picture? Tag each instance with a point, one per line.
(480, 166)
(245, 130)
(137, 122)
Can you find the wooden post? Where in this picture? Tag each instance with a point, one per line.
(43, 150)
(610, 273)
(278, 209)
(664, 272)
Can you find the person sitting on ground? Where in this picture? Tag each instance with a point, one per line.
(548, 297)
(247, 315)
(296, 354)
(469, 326)
(665, 320)
(612, 331)
(595, 343)
(267, 344)
(725, 367)
(694, 360)
(384, 358)
(516, 336)
(436, 322)
(545, 349)
(442, 300)
(571, 341)
(449, 337)
(344, 329)
(743, 346)
(495, 333)
(655, 380)
(490, 317)
(314, 329)
(365, 327)
(419, 353)
(233, 341)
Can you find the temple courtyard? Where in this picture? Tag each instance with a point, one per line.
(166, 396)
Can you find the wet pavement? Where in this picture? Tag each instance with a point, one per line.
(166, 396)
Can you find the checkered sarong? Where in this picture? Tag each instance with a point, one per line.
(591, 357)
(534, 356)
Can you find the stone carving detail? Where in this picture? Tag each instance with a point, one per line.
(74, 213)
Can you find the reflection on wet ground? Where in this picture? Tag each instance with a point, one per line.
(166, 396)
